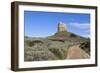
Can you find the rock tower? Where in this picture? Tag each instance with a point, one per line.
(61, 27)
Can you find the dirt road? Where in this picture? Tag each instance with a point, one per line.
(75, 52)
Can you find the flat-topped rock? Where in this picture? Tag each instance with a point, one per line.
(61, 27)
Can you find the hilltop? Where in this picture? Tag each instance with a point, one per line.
(59, 46)
(68, 36)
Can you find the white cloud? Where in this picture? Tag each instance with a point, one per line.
(85, 26)
(82, 29)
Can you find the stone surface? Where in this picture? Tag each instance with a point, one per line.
(61, 27)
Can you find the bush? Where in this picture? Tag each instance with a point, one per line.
(38, 53)
(86, 46)
(73, 35)
(39, 56)
(46, 50)
(32, 43)
(60, 53)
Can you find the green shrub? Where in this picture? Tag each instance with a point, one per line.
(38, 53)
(35, 50)
(73, 35)
(32, 43)
(63, 33)
(60, 53)
(86, 46)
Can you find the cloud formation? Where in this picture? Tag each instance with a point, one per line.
(82, 29)
(81, 25)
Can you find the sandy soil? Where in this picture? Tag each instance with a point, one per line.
(75, 52)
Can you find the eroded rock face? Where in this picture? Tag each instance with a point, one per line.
(61, 27)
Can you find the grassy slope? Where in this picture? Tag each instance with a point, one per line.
(67, 36)
(50, 48)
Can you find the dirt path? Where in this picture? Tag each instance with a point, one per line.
(75, 52)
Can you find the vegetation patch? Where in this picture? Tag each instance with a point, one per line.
(86, 46)
(53, 47)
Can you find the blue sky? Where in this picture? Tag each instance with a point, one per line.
(42, 24)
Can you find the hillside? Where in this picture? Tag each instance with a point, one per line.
(53, 47)
(67, 36)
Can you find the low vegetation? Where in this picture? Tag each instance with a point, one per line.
(86, 46)
(53, 47)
